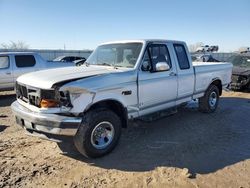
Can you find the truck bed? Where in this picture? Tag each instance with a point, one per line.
(204, 71)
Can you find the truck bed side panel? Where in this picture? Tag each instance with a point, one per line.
(206, 73)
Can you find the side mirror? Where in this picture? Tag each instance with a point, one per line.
(161, 66)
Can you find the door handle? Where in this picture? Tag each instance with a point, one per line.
(172, 74)
(9, 73)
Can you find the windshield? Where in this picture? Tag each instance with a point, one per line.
(240, 61)
(117, 55)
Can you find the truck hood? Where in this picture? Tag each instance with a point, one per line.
(45, 79)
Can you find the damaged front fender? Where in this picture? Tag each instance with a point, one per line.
(80, 98)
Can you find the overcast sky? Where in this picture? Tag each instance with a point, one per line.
(51, 24)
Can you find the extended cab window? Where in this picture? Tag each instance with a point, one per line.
(4, 62)
(181, 56)
(155, 53)
(25, 60)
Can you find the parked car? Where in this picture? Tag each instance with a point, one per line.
(207, 48)
(69, 58)
(213, 48)
(121, 81)
(241, 71)
(79, 62)
(205, 58)
(204, 48)
(14, 64)
(243, 50)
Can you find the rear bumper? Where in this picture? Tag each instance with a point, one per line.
(45, 123)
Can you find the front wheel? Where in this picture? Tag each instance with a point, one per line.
(98, 133)
(209, 102)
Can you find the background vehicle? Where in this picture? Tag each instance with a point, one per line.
(244, 50)
(204, 58)
(241, 71)
(213, 48)
(79, 62)
(69, 58)
(121, 81)
(202, 48)
(207, 48)
(14, 64)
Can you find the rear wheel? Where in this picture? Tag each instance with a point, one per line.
(209, 102)
(98, 133)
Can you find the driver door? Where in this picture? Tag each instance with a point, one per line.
(157, 89)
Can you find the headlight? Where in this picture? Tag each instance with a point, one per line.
(49, 103)
(48, 99)
(55, 98)
(64, 98)
(60, 99)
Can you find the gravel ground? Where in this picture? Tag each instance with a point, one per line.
(187, 149)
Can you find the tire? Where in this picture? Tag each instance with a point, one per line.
(98, 133)
(209, 102)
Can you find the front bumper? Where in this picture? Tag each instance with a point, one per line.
(45, 123)
(236, 86)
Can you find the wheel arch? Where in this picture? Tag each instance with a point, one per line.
(217, 82)
(113, 105)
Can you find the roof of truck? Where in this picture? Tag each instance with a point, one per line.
(143, 41)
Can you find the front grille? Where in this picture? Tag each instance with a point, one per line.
(34, 95)
(235, 79)
(21, 92)
(28, 94)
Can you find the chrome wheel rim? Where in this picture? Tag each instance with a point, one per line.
(212, 99)
(102, 135)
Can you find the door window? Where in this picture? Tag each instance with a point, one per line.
(4, 62)
(25, 61)
(155, 53)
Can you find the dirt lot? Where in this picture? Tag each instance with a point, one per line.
(188, 149)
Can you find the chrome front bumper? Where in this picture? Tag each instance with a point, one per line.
(45, 123)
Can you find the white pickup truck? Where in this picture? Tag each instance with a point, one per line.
(121, 81)
(14, 64)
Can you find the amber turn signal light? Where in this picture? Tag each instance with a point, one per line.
(49, 103)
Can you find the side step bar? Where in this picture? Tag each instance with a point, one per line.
(158, 115)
